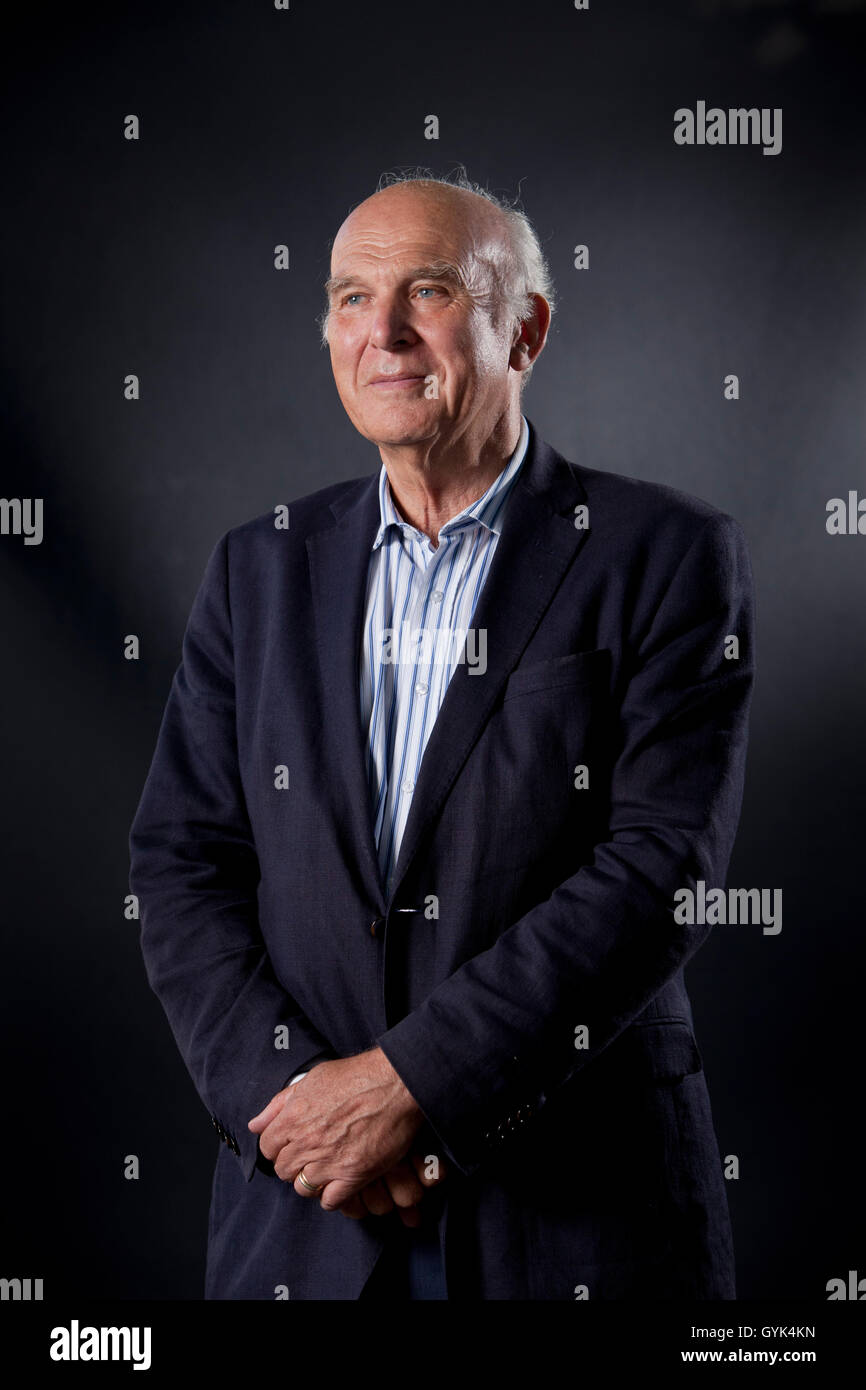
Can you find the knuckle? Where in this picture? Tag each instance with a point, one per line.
(408, 1197)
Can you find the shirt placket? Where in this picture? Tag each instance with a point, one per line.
(417, 695)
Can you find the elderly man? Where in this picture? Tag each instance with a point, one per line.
(437, 758)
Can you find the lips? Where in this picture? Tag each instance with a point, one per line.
(404, 379)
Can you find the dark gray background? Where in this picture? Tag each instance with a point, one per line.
(155, 257)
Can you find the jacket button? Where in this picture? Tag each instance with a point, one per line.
(376, 926)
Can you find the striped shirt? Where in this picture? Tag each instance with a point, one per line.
(417, 628)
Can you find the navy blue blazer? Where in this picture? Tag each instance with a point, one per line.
(576, 1171)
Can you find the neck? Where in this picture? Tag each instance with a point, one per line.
(433, 480)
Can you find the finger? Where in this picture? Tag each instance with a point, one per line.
(376, 1198)
(403, 1185)
(410, 1216)
(335, 1193)
(271, 1145)
(283, 1149)
(270, 1112)
(429, 1173)
(354, 1208)
(309, 1172)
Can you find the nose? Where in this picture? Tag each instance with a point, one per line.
(389, 324)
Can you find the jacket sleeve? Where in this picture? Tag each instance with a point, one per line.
(195, 871)
(500, 1031)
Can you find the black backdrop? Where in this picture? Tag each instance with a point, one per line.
(155, 257)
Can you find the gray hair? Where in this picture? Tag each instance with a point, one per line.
(522, 270)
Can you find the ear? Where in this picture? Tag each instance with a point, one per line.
(530, 337)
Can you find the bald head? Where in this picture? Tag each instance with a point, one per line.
(471, 208)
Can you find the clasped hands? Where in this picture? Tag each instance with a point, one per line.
(349, 1126)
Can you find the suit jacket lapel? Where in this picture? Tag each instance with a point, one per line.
(537, 544)
(338, 560)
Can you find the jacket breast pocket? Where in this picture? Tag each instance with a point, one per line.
(540, 767)
(572, 669)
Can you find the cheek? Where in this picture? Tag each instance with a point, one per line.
(492, 356)
(458, 361)
(346, 350)
(479, 354)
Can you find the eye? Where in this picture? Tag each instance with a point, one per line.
(428, 289)
(356, 294)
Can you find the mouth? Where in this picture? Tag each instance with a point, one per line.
(395, 382)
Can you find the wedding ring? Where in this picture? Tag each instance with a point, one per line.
(309, 1185)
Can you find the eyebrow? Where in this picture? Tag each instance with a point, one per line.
(437, 270)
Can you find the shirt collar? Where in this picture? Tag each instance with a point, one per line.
(487, 510)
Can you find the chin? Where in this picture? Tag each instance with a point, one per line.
(405, 425)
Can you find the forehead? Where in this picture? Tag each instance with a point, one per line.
(400, 224)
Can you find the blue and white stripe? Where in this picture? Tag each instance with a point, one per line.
(410, 587)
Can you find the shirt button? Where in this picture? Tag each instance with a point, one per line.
(408, 786)
(437, 595)
(421, 688)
